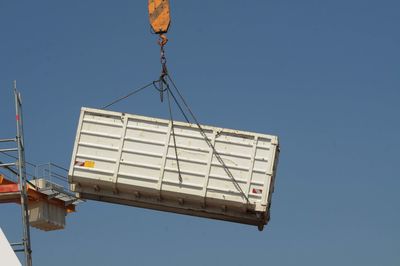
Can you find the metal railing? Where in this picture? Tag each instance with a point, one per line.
(53, 173)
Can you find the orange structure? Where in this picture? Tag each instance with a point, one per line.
(159, 15)
(10, 193)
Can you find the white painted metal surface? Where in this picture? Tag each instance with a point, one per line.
(130, 159)
(7, 255)
(44, 215)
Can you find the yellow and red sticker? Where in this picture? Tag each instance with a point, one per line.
(88, 164)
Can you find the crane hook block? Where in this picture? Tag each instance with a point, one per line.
(159, 15)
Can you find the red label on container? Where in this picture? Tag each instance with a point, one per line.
(78, 163)
(257, 191)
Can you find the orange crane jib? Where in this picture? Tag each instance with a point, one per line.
(159, 15)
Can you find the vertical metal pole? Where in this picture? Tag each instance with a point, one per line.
(50, 173)
(22, 178)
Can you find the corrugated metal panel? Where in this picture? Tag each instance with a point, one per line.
(130, 159)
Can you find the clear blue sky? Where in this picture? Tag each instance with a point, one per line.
(322, 75)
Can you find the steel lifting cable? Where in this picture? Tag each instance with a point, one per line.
(173, 134)
(128, 95)
(164, 86)
(180, 107)
(217, 155)
(161, 80)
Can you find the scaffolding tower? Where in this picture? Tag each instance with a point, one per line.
(25, 244)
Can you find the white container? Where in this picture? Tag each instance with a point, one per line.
(130, 159)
